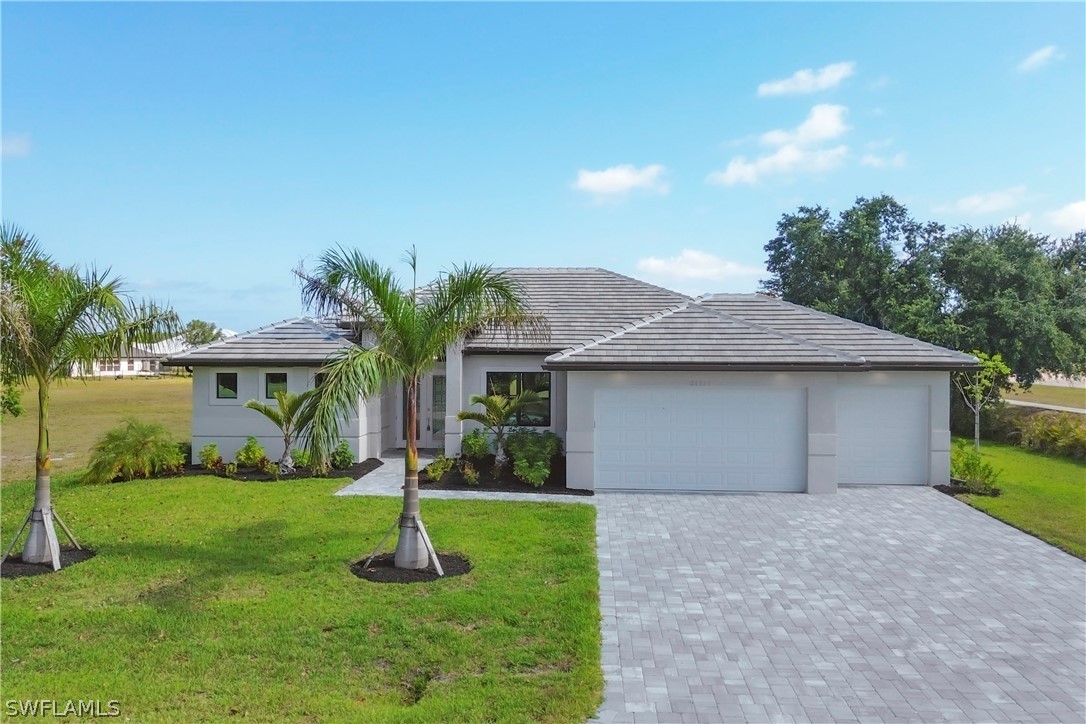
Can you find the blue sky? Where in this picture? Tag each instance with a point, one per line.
(203, 150)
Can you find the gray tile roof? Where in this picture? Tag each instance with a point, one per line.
(881, 349)
(580, 304)
(689, 336)
(302, 341)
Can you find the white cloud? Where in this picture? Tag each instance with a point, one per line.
(987, 203)
(693, 264)
(824, 122)
(15, 145)
(618, 181)
(876, 161)
(794, 153)
(1038, 59)
(808, 80)
(1070, 218)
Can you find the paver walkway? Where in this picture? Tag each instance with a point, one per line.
(874, 604)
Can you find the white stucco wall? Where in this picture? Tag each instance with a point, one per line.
(821, 393)
(227, 423)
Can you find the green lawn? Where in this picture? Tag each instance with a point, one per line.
(80, 412)
(1051, 395)
(210, 599)
(1042, 495)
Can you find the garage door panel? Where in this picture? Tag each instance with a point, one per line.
(701, 439)
(874, 447)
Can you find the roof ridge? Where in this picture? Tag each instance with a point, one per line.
(784, 335)
(241, 335)
(628, 327)
(644, 283)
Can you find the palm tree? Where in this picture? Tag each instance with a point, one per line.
(498, 412)
(52, 318)
(406, 332)
(290, 416)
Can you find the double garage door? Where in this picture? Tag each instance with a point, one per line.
(753, 439)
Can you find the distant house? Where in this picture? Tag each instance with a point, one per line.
(138, 361)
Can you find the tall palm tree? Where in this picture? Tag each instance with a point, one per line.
(403, 334)
(497, 414)
(52, 318)
(289, 415)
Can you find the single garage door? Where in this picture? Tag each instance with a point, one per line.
(882, 435)
(701, 438)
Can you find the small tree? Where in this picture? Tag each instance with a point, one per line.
(198, 332)
(290, 415)
(980, 387)
(497, 414)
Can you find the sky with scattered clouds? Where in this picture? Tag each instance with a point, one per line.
(204, 150)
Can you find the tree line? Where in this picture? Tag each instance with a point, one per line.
(999, 289)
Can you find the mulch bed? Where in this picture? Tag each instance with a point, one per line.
(382, 569)
(507, 483)
(253, 475)
(13, 566)
(957, 487)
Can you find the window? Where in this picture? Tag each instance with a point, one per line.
(131, 365)
(512, 384)
(274, 382)
(226, 384)
(318, 379)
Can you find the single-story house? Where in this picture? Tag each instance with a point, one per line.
(138, 360)
(648, 388)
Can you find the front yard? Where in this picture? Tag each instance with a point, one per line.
(210, 598)
(1041, 494)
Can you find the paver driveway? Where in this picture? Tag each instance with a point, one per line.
(875, 604)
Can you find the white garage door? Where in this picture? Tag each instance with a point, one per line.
(882, 435)
(701, 438)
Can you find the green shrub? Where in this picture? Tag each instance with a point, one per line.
(269, 467)
(185, 448)
(210, 457)
(440, 465)
(230, 470)
(250, 453)
(342, 457)
(471, 475)
(532, 453)
(301, 458)
(133, 450)
(1057, 433)
(475, 445)
(967, 465)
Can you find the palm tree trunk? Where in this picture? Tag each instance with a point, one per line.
(41, 533)
(410, 548)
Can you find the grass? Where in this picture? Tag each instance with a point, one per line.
(80, 413)
(1050, 395)
(1041, 494)
(210, 599)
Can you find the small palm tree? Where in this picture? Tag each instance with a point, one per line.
(291, 417)
(52, 318)
(407, 333)
(498, 411)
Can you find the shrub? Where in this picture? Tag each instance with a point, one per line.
(440, 465)
(250, 454)
(967, 465)
(185, 448)
(269, 467)
(475, 445)
(301, 458)
(133, 450)
(230, 470)
(1062, 433)
(209, 456)
(532, 453)
(342, 457)
(471, 475)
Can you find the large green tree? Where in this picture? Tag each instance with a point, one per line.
(403, 335)
(198, 332)
(1017, 294)
(873, 263)
(53, 317)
